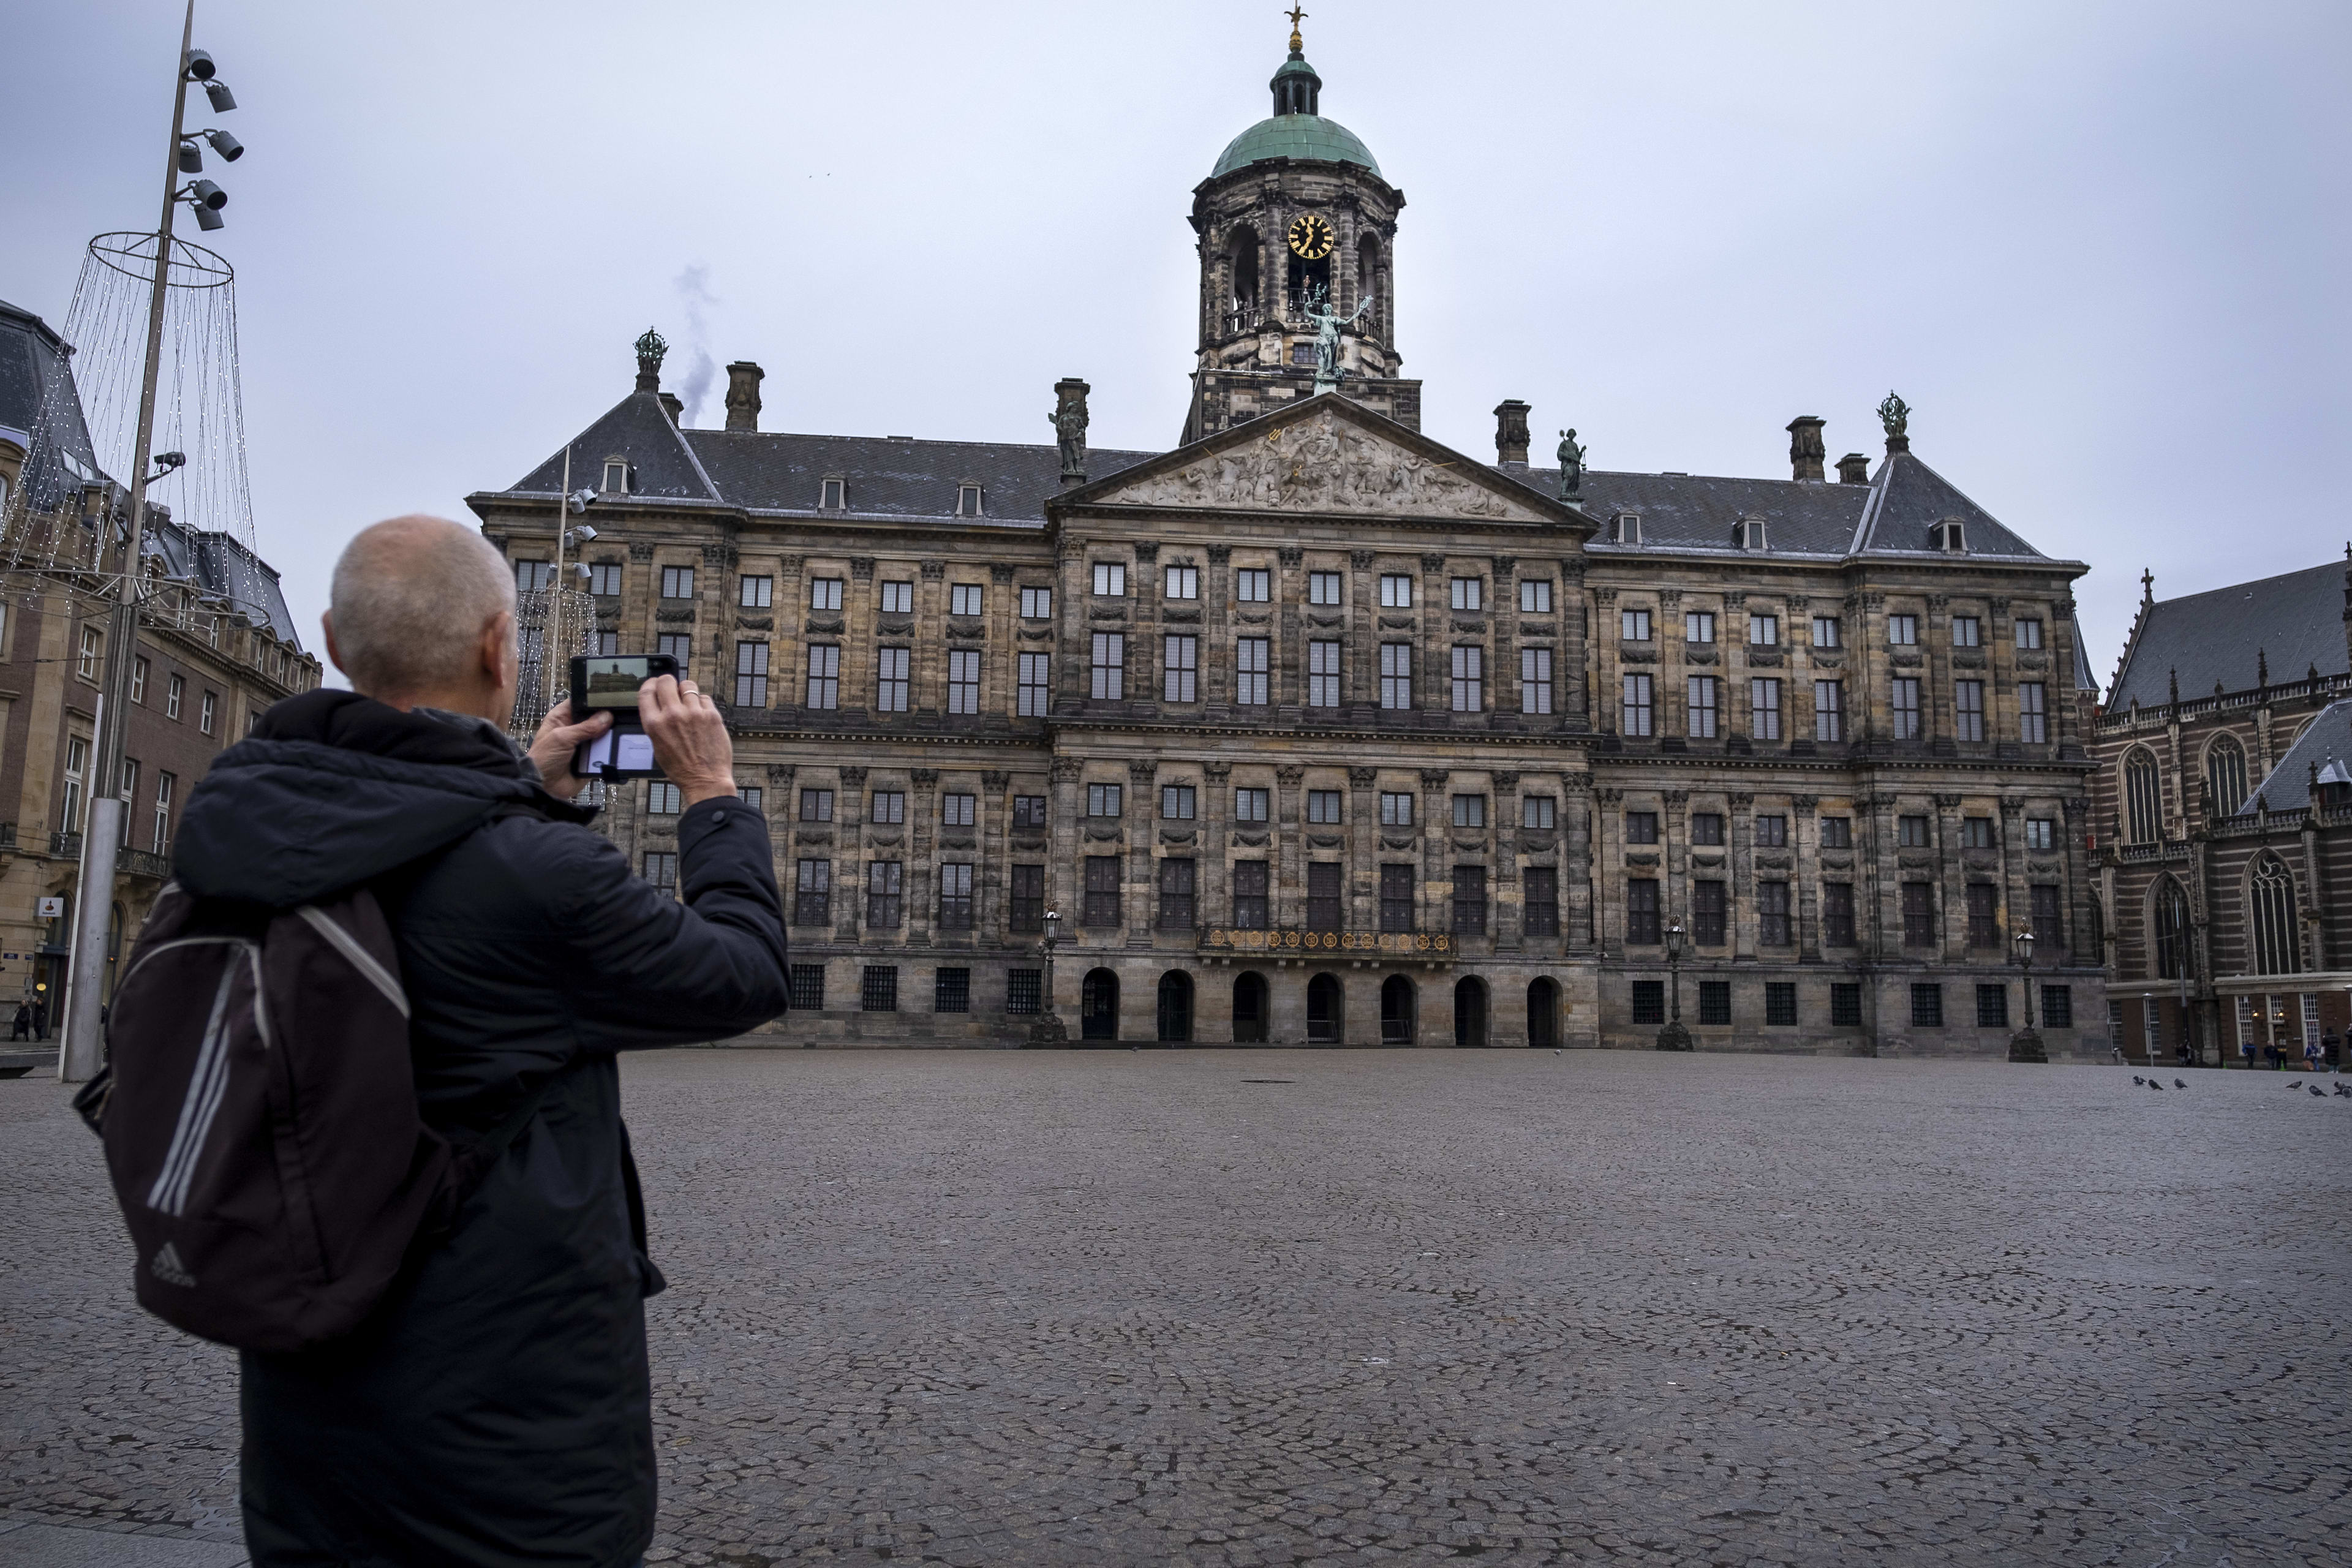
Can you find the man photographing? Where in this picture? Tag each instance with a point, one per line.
(495, 1409)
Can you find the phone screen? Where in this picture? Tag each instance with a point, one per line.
(621, 751)
(614, 680)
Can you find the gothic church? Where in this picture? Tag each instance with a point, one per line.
(1313, 730)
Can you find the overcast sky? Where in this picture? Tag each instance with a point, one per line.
(2100, 249)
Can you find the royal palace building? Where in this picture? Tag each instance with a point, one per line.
(2223, 827)
(1313, 729)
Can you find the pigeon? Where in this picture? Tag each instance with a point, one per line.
(2179, 1084)
(2343, 1091)
(2319, 1093)
(2136, 1079)
(1555, 1052)
(2155, 1085)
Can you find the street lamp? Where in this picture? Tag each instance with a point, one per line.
(2025, 1046)
(1674, 1036)
(1049, 1030)
(83, 1050)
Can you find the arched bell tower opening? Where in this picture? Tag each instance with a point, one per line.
(1296, 232)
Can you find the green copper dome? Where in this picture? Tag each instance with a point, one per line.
(1295, 136)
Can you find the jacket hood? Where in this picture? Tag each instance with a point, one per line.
(333, 788)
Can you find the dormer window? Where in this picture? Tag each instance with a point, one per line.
(969, 500)
(1625, 527)
(1748, 533)
(833, 495)
(1951, 534)
(616, 476)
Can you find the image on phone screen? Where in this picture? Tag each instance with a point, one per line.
(625, 751)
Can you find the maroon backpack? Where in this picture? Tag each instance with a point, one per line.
(260, 1117)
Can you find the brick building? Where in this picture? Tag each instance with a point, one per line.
(1315, 729)
(217, 647)
(2224, 841)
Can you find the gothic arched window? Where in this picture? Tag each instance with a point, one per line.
(2277, 949)
(2172, 910)
(2143, 798)
(2225, 775)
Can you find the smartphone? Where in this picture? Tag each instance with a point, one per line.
(608, 683)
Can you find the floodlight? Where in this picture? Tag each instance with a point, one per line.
(577, 501)
(580, 570)
(227, 146)
(192, 157)
(205, 194)
(209, 220)
(200, 65)
(223, 100)
(167, 461)
(583, 533)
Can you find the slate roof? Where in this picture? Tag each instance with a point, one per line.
(37, 394)
(764, 470)
(2326, 741)
(1890, 515)
(2296, 619)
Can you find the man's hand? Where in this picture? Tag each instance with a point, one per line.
(690, 741)
(558, 739)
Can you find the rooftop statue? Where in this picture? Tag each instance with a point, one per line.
(1571, 466)
(1895, 415)
(1328, 322)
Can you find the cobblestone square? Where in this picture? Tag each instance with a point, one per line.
(1231, 1307)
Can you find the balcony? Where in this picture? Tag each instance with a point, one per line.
(143, 863)
(65, 845)
(1292, 943)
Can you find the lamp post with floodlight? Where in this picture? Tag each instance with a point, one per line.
(1674, 1036)
(2025, 1046)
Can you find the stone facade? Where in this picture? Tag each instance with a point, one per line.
(1314, 730)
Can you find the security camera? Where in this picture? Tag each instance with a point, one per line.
(199, 66)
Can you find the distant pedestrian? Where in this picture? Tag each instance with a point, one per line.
(40, 1020)
(22, 1030)
(2311, 1053)
(2331, 1048)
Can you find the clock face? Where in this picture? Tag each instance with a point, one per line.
(1311, 237)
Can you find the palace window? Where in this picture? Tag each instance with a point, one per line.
(1763, 631)
(1642, 912)
(1108, 668)
(1396, 810)
(1764, 707)
(890, 682)
(2027, 634)
(1253, 805)
(1633, 625)
(963, 598)
(1825, 631)
(1637, 705)
(1036, 603)
(1180, 670)
(533, 576)
(1535, 680)
(1396, 591)
(1707, 827)
(1649, 1001)
(1918, 914)
(1469, 593)
(1322, 675)
(963, 681)
(1714, 1001)
(677, 581)
(1470, 900)
(1540, 812)
(1911, 832)
(750, 675)
(1837, 915)
(1780, 1002)
(816, 806)
(1106, 800)
(679, 646)
(2041, 832)
(1829, 711)
(1110, 580)
(884, 880)
(1701, 712)
(1252, 585)
(1469, 811)
(1698, 625)
(955, 896)
(1709, 924)
(1469, 677)
(1250, 667)
(951, 990)
(1176, 883)
(1772, 914)
(825, 594)
(1968, 709)
(1903, 631)
(1541, 885)
(1029, 811)
(1323, 806)
(833, 495)
(1967, 632)
(1905, 704)
(1182, 582)
(1249, 894)
(823, 675)
(1323, 895)
(1396, 897)
(1034, 692)
(1396, 675)
(1535, 596)
(1927, 1006)
(1641, 827)
(1976, 833)
(164, 785)
(971, 501)
(1992, 1007)
(1323, 588)
(1845, 1005)
(661, 868)
(663, 799)
(1026, 912)
(890, 807)
(2057, 1007)
(751, 593)
(959, 810)
(1024, 990)
(878, 989)
(898, 598)
(1178, 803)
(1984, 915)
(1772, 831)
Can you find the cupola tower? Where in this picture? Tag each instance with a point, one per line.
(1295, 226)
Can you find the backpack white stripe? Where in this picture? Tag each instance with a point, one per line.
(205, 1086)
(362, 959)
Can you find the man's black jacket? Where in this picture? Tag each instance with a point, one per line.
(497, 1411)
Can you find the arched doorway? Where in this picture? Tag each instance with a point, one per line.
(1098, 1005)
(1543, 1012)
(1249, 1009)
(1469, 1011)
(1175, 1007)
(1323, 1010)
(1396, 1011)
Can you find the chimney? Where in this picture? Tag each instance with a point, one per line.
(672, 407)
(743, 380)
(1805, 448)
(1854, 468)
(1511, 433)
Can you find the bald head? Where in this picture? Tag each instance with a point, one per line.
(412, 598)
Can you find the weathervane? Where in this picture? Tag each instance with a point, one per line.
(1298, 44)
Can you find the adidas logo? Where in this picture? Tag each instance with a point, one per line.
(168, 1268)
